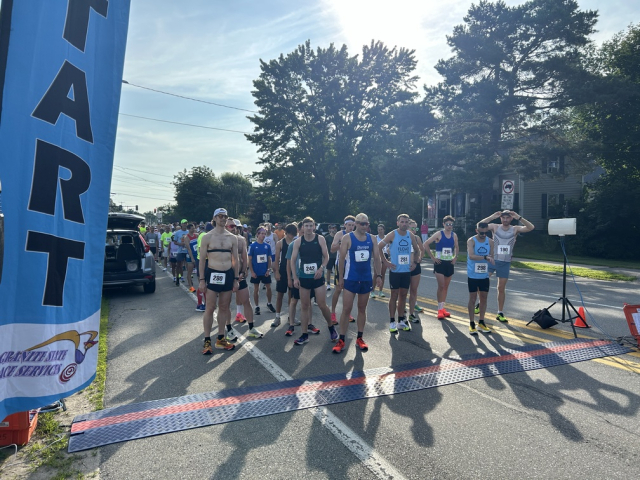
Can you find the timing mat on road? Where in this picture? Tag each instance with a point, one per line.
(139, 420)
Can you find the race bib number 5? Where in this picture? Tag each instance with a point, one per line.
(403, 259)
(310, 268)
(481, 268)
(261, 259)
(217, 278)
(504, 249)
(362, 256)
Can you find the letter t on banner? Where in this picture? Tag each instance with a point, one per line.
(60, 78)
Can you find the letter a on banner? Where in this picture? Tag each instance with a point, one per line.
(61, 68)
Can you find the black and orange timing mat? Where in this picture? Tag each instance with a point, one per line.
(146, 419)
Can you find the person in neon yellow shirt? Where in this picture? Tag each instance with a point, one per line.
(165, 240)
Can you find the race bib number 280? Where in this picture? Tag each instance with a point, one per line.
(217, 278)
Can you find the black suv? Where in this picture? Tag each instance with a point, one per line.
(127, 259)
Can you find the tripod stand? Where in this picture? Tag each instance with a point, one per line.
(567, 306)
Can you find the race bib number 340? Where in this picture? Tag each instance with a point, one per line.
(217, 278)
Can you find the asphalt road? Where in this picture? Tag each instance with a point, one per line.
(572, 421)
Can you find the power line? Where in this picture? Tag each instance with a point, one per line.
(143, 179)
(185, 124)
(188, 98)
(143, 171)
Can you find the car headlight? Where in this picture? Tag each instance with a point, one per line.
(132, 265)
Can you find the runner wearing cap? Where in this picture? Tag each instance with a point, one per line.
(504, 237)
(260, 268)
(444, 261)
(219, 251)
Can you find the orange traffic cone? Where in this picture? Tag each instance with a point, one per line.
(581, 321)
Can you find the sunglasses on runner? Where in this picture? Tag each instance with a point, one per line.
(482, 234)
(363, 224)
(448, 224)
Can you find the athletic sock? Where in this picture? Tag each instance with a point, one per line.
(472, 324)
(393, 319)
(228, 328)
(500, 312)
(360, 334)
(250, 326)
(401, 319)
(332, 328)
(278, 315)
(220, 337)
(240, 309)
(440, 305)
(342, 337)
(481, 321)
(207, 338)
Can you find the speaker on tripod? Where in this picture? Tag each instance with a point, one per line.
(560, 227)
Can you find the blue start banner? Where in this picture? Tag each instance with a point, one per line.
(61, 65)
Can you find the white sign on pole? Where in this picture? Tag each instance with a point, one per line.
(265, 217)
(507, 202)
(508, 186)
(159, 215)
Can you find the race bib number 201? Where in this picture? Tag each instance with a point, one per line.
(217, 278)
(481, 268)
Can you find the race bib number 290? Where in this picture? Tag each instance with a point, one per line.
(217, 278)
(481, 268)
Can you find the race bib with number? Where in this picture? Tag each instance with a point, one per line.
(261, 259)
(310, 268)
(217, 278)
(173, 254)
(403, 259)
(152, 241)
(504, 249)
(362, 256)
(447, 254)
(481, 268)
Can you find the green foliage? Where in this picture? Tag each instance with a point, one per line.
(513, 71)
(334, 131)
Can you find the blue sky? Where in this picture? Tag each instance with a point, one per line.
(210, 50)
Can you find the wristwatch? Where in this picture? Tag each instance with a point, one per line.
(485, 257)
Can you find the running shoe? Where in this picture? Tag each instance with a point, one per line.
(223, 344)
(302, 340)
(230, 336)
(289, 331)
(177, 280)
(502, 318)
(417, 308)
(381, 294)
(446, 314)
(207, 350)
(373, 294)
(200, 308)
(240, 318)
(414, 318)
(328, 288)
(257, 311)
(351, 319)
(477, 310)
(361, 345)
(276, 322)
(333, 319)
(314, 329)
(255, 333)
(191, 289)
(181, 278)
(393, 327)
(338, 347)
(270, 307)
(334, 335)
(472, 330)
(441, 315)
(297, 322)
(404, 326)
(483, 328)
(164, 269)
(315, 302)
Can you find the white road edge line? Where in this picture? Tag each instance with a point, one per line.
(373, 461)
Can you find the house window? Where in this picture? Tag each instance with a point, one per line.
(555, 166)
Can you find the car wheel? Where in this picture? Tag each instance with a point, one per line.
(150, 287)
